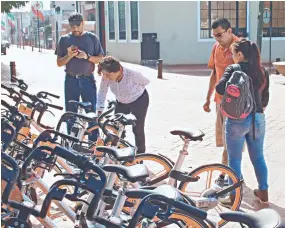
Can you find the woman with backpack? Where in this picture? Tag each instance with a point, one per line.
(246, 82)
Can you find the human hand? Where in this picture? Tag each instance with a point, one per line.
(71, 52)
(207, 106)
(82, 55)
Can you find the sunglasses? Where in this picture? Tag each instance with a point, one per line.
(218, 35)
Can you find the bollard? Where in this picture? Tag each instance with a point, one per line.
(32, 47)
(159, 68)
(277, 60)
(13, 71)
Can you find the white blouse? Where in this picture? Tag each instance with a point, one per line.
(130, 88)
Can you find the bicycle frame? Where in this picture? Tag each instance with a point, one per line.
(38, 182)
(180, 160)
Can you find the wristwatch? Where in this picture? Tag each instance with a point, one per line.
(88, 57)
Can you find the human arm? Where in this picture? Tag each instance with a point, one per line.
(63, 55)
(93, 59)
(265, 91)
(97, 54)
(213, 80)
(221, 86)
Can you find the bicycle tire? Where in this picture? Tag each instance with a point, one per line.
(223, 169)
(148, 157)
(187, 220)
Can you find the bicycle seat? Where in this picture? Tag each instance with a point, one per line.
(165, 190)
(193, 136)
(130, 173)
(84, 105)
(124, 154)
(265, 218)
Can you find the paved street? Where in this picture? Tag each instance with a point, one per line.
(176, 102)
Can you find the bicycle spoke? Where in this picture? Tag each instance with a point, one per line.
(209, 179)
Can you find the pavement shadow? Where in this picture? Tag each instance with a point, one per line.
(249, 203)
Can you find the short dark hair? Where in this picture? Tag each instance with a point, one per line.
(75, 18)
(109, 64)
(222, 22)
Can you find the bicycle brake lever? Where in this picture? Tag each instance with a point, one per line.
(50, 112)
(48, 99)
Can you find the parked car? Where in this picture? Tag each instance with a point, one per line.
(5, 43)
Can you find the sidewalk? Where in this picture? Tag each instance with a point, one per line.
(176, 102)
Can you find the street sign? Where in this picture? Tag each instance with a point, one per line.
(38, 5)
(266, 16)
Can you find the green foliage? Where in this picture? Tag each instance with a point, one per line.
(6, 6)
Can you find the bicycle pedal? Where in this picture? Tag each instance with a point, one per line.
(105, 222)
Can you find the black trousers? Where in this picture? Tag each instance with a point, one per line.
(139, 109)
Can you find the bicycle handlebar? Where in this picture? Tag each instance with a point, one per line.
(11, 92)
(22, 85)
(190, 210)
(9, 175)
(46, 136)
(54, 193)
(10, 136)
(41, 107)
(54, 106)
(44, 95)
(111, 107)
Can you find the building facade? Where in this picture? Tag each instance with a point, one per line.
(183, 29)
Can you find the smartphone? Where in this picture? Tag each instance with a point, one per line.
(74, 48)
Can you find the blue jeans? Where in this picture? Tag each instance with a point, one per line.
(74, 88)
(239, 131)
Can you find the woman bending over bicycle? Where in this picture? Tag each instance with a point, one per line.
(129, 89)
(237, 131)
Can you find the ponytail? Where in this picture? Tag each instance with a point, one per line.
(255, 70)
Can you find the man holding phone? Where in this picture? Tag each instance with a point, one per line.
(79, 51)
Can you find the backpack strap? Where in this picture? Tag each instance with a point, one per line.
(254, 108)
(237, 67)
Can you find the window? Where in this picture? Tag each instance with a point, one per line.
(122, 20)
(134, 20)
(234, 11)
(90, 17)
(111, 19)
(278, 19)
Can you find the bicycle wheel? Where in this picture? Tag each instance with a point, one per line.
(208, 173)
(109, 127)
(178, 219)
(159, 168)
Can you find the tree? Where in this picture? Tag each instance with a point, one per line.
(6, 6)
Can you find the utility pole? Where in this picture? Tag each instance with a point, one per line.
(39, 31)
(76, 3)
(22, 31)
(260, 25)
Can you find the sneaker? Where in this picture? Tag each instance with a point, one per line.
(220, 181)
(228, 201)
(261, 195)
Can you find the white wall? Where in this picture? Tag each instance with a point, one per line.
(128, 51)
(177, 27)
